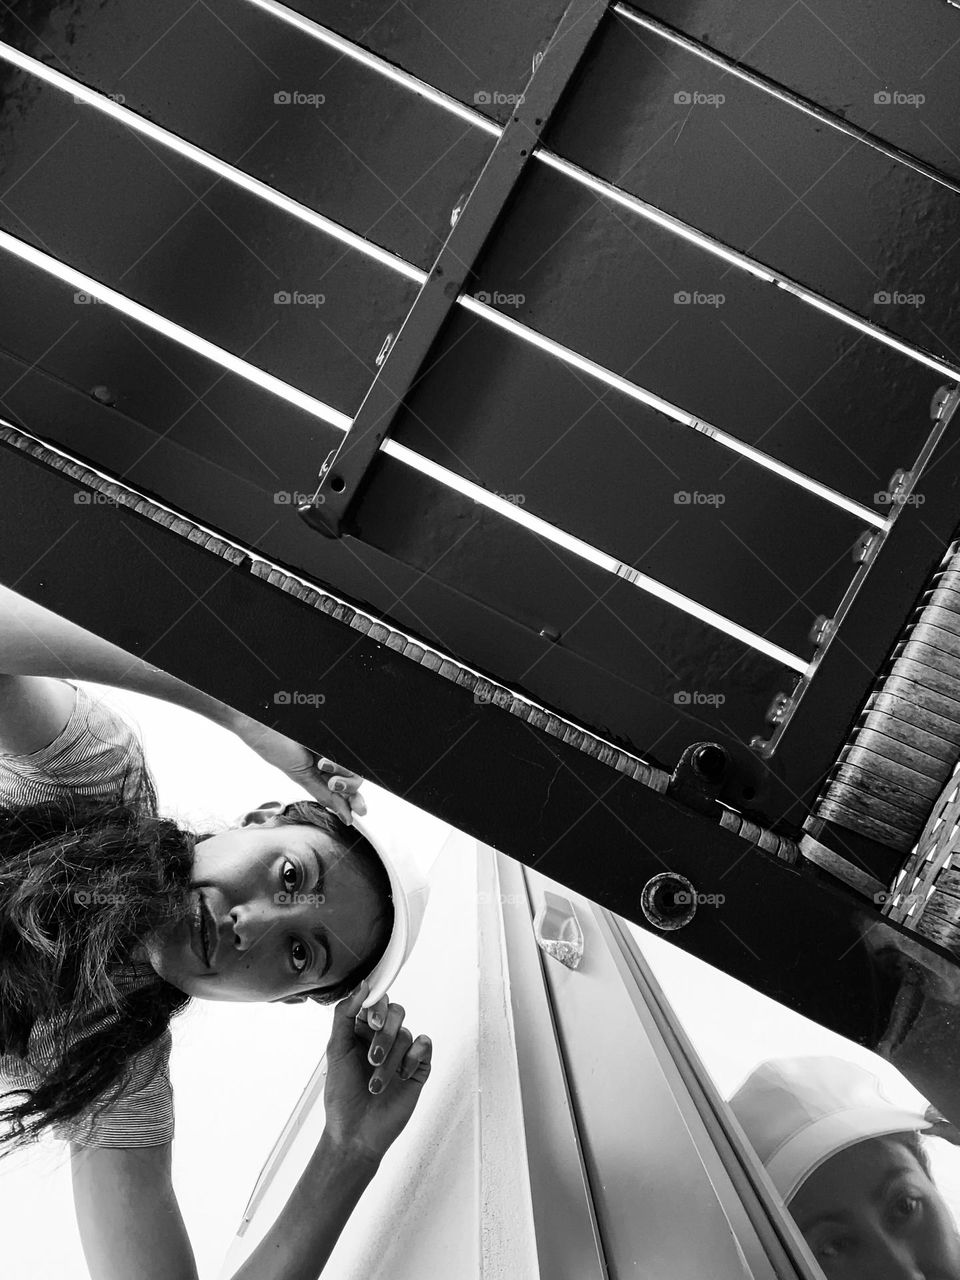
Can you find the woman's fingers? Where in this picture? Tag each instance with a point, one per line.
(343, 786)
(376, 1015)
(417, 1060)
(345, 1016)
(383, 1076)
(382, 1042)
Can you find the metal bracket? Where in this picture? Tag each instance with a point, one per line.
(342, 476)
(699, 776)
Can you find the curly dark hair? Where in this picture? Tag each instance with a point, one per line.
(83, 882)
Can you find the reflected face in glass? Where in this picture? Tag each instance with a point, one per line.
(871, 1212)
(276, 911)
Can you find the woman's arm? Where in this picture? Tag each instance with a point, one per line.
(130, 1222)
(35, 642)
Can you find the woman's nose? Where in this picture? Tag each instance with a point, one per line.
(893, 1259)
(248, 925)
(251, 922)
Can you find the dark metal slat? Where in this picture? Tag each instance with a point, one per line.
(341, 139)
(842, 57)
(657, 494)
(761, 176)
(202, 252)
(747, 358)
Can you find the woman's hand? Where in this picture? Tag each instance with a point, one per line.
(375, 1071)
(330, 784)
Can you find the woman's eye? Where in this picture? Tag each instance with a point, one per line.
(289, 876)
(300, 956)
(830, 1249)
(907, 1206)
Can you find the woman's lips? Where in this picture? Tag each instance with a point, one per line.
(196, 943)
(211, 933)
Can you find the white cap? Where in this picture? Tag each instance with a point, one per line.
(410, 892)
(798, 1112)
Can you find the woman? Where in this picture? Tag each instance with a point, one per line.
(851, 1167)
(112, 917)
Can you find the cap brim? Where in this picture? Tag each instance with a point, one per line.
(806, 1151)
(403, 934)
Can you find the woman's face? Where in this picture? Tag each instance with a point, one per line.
(276, 911)
(872, 1213)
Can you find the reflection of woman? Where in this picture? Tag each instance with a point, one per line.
(852, 1169)
(112, 917)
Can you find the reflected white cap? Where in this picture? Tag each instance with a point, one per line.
(798, 1112)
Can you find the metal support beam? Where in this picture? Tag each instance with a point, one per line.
(343, 472)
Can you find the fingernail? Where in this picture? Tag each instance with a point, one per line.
(376, 1084)
(338, 785)
(375, 1020)
(376, 1056)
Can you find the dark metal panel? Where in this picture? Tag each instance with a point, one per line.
(202, 252)
(161, 384)
(830, 212)
(842, 56)
(635, 636)
(656, 494)
(873, 626)
(369, 154)
(205, 458)
(480, 51)
(578, 822)
(781, 376)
